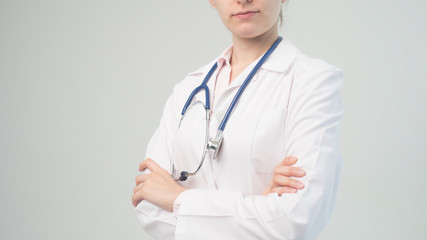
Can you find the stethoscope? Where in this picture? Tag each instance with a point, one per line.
(213, 144)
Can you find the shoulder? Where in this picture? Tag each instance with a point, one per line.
(198, 73)
(307, 64)
(316, 88)
(185, 86)
(309, 75)
(193, 79)
(289, 59)
(316, 73)
(202, 70)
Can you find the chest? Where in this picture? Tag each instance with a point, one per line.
(254, 136)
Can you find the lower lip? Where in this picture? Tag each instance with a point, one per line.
(246, 15)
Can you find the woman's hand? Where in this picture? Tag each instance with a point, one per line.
(282, 181)
(157, 187)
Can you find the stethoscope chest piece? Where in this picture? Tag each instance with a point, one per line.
(214, 144)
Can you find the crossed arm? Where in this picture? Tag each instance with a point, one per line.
(313, 119)
(159, 188)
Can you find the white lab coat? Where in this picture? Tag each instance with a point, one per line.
(292, 107)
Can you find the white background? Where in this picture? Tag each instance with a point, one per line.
(83, 83)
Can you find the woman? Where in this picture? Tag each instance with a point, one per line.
(290, 107)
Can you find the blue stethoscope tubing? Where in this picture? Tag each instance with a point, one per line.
(204, 86)
(214, 144)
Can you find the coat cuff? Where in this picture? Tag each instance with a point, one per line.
(194, 202)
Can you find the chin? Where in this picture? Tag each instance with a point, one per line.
(247, 33)
(249, 30)
(248, 36)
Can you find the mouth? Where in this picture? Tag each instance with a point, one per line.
(245, 14)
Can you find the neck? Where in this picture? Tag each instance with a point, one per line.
(247, 50)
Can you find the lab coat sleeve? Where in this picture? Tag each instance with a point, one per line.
(156, 221)
(314, 115)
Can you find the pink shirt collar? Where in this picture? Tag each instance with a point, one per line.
(225, 57)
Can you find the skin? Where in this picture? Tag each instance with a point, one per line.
(157, 187)
(252, 36)
(282, 181)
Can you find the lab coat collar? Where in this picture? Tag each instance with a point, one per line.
(224, 58)
(283, 57)
(279, 61)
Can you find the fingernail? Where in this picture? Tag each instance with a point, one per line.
(299, 185)
(300, 172)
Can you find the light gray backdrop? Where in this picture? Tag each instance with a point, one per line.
(83, 83)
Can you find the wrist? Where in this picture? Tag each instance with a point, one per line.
(178, 201)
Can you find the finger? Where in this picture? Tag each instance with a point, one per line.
(136, 198)
(282, 190)
(138, 187)
(150, 164)
(141, 178)
(289, 171)
(283, 181)
(135, 203)
(288, 161)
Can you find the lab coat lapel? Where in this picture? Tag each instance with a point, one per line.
(279, 61)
